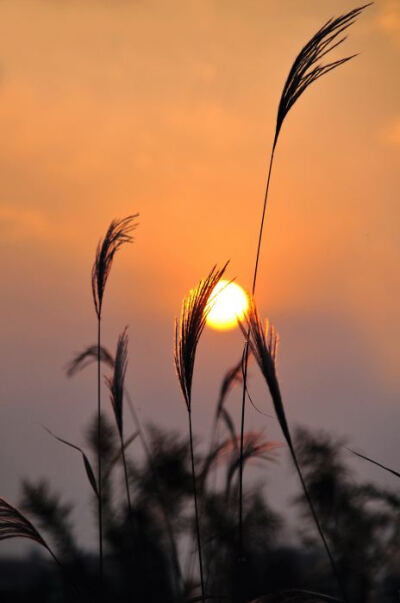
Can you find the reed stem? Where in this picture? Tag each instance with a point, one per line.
(246, 354)
(99, 467)
(318, 525)
(128, 496)
(196, 507)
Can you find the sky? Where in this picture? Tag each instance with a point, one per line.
(167, 108)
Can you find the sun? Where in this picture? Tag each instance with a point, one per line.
(228, 303)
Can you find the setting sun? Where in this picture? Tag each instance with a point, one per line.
(228, 303)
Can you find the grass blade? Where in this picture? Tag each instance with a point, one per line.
(86, 462)
(366, 458)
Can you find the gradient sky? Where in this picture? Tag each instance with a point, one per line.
(168, 108)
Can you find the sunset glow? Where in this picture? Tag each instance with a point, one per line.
(203, 119)
(229, 303)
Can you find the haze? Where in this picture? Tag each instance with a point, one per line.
(168, 108)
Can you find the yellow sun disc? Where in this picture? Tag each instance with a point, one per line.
(228, 303)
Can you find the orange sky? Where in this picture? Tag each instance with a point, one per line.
(168, 108)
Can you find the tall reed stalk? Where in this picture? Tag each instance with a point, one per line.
(305, 70)
(80, 361)
(264, 347)
(117, 234)
(188, 331)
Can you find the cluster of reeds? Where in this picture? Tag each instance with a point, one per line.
(308, 66)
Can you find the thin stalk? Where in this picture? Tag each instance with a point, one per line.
(196, 507)
(246, 353)
(318, 525)
(63, 570)
(99, 477)
(244, 393)
(128, 496)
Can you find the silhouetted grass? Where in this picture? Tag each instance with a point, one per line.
(306, 69)
(187, 335)
(117, 234)
(357, 523)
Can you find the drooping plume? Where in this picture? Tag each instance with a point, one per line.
(89, 355)
(190, 327)
(307, 68)
(15, 525)
(263, 345)
(117, 234)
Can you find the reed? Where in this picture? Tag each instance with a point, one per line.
(85, 358)
(13, 524)
(118, 233)
(188, 331)
(116, 385)
(306, 69)
(264, 346)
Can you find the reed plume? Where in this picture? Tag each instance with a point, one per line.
(13, 524)
(116, 385)
(264, 345)
(118, 233)
(83, 359)
(255, 448)
(306, 69)
(189, 328)
(80, 361)
(188, 331)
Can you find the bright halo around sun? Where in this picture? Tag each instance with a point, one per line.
(228, 303)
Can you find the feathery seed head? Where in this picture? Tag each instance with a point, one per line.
(117, 382)
(189, 328)
(82, 359)
(117, 234)
(307, 68)
(264, 346)
(15, 525)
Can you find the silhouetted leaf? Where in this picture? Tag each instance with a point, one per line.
(366, 458)
(86, 462)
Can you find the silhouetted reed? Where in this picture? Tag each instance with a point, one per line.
(361, 521)
(232, 377)
(89, 355)
(305, 70)
(15, 525)
(263, 345)
(141, 566)
(116, 385)
(188, 331)
(80, 361)
(118, 233)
